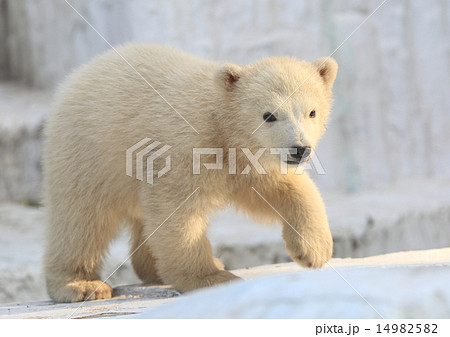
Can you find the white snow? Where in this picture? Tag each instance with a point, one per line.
(402, 291)
(409, 284)
(400, 285)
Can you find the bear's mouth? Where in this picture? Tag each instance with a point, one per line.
(295, 161)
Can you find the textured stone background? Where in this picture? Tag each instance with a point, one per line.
(391, 117)
(387, 141)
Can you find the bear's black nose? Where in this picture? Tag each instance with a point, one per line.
(303, 152)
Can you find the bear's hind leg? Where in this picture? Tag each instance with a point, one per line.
(74, 253)
(184, 255)
(142, 259)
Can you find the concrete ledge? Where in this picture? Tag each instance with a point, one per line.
(411, 215)
(22, 115)
(145, 291)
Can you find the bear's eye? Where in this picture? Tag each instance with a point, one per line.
(269, 118)
(312, 114)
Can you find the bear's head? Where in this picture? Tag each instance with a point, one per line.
(276, 103)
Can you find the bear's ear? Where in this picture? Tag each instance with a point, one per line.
(227, 76)
(327, 68)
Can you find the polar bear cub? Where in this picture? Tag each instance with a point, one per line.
(186, 102)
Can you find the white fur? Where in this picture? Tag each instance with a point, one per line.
(105, 107)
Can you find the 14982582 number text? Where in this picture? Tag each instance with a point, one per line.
(407, 328)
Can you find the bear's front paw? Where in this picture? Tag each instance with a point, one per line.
(310, 252)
